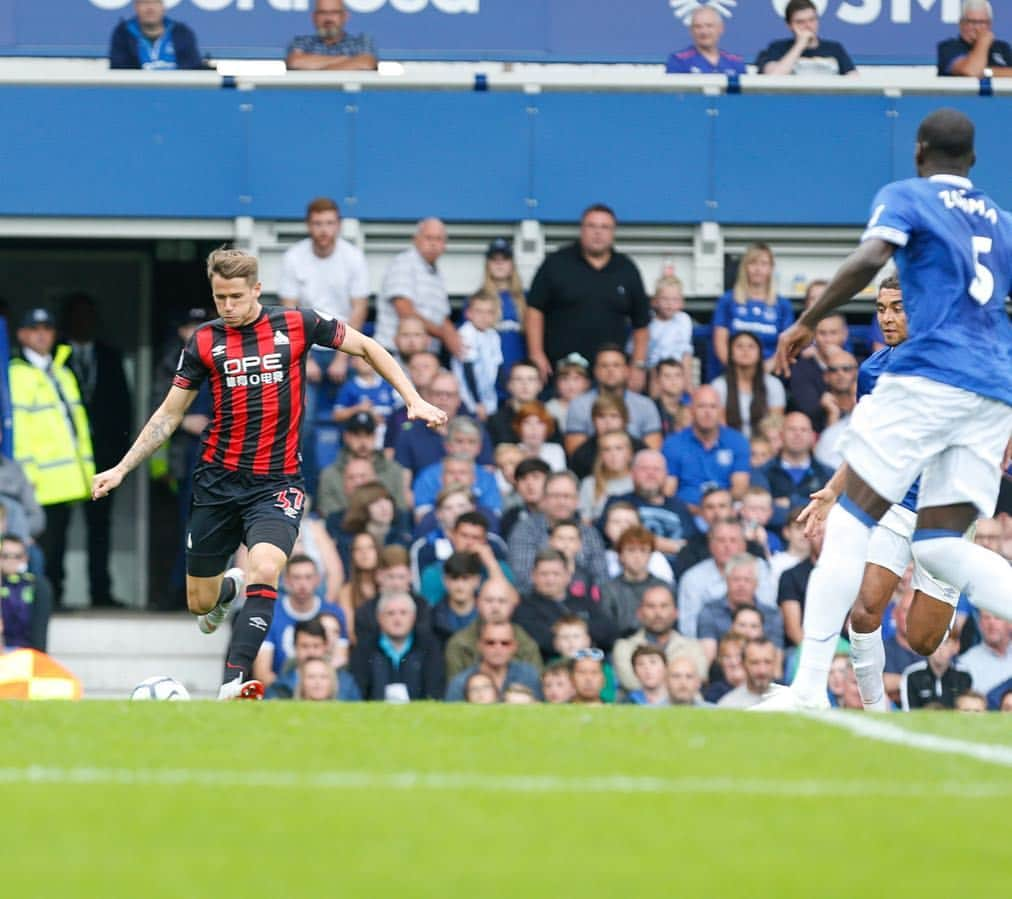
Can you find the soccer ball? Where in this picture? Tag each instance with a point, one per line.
(160, 687)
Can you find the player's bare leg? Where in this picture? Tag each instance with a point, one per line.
(211, 598)
(867, 652)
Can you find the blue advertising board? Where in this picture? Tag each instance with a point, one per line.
(873, 31)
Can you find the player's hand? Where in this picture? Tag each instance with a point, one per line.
(806, 38)
(419, 410)
(813, 516)
(790, 343)
(544, 366)
(105, 482)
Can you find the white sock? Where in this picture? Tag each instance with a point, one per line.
(831, 592)
(867, 655)
(984, 576)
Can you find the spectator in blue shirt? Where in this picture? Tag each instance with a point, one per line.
(331, 47)
(705, 56)
(151, 41)
(707, 454)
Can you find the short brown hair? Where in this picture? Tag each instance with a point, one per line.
(322, 204)
(393, 556)
(637, 535)
(796, 6)
(648, 649)
(231, 263)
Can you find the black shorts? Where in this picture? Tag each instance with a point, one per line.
(233, 507)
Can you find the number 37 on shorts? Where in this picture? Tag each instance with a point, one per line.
(290, 501)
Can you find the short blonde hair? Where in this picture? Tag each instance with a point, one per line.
(230, 263)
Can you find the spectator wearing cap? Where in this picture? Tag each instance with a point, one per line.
(704, 56)
(530, 476)
(150, 40)
(359, 439)
(612, 377)
(523, 385)
(503, 281)
(585, 295)
(533, 425)
(52, 440)
(331, 47)
(572, 379)
(477, 368)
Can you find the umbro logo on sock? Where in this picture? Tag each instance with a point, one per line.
(280, 339)
(258, 623)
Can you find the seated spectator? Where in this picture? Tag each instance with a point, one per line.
(668, 387)
(548, 600)
(666, 517)
(297, 601)
(497, 600)
(793, 475)
(477, 367)
(621, 596)
(670, 330)
(507, 457)
(370, 509)
(479, 689)
(410, 339)
(752, 305)
(760, 662)
(519, 694)
(971, 701)
(989, 663)
(747, 622)
(838, 401)
(361, 586)
(393, 575)
(797, 548)
(837, 681)
(502, 282)
(464, 443)
(611, 476)
(715, 506)
(532, 425)
(529, 476)
(756, 393)
(704, 56)
(317, 681)
(587, 671)
(608, 415)
(808, 374)
(310, 642)
(365, 392)
(651, 668)
(400, 663)
(728, 671)
(572, 379)
(716, 617)
(705, 582)
(422, 369)
(434, 544)
(571, 638)
(565, 537)
(683, 683)
(620, 517)
(706, 453)
(806, 53)
(760, 451)
(557, 682)
(792, 586)
(468, 535)
(756, 512)
(331, 47)
(497, 651)
(457, 609)
(611, 374)
(359, 442)
(936, 678)
(26, 599)
(976, 53)
(530, 535)
(523, 385)
(151, 40)
(657, 615)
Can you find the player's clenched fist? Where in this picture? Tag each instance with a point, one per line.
(419, 410)
(105, 482)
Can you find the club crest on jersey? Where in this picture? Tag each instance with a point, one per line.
(252, 371)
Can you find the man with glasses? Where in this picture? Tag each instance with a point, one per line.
(976, 53)
(25, 600)
(838, 402)
(497, 649)
(331, 47)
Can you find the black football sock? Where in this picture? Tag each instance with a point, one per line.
(249, 630)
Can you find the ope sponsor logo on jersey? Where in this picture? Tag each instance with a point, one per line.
(355, 6)
(252, 371)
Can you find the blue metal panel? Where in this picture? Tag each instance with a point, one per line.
(644, 154)
(458, 156)
(800, 159)
(120, 152)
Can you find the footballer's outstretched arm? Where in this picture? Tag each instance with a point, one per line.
(163, 422)
(358, 344)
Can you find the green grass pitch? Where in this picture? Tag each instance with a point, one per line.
(109, 799)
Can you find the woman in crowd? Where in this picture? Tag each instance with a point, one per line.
(612, 474)
(619, 517)
(752, 305)
(607, 415)
(317, 680)
(753, 394)
(503, 281)
(371, 510)
(361, 586)
(532, 425)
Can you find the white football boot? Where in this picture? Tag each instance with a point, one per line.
(779, 698)
(241, 689)
(214, 619)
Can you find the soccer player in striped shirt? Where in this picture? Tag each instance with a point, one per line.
(248, 486)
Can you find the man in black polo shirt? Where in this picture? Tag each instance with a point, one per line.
(586, 294)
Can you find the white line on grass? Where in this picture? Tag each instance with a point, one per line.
(492, 783)
(876, 729)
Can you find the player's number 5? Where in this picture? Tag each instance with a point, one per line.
(982, 286)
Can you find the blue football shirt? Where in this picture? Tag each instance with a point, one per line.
(955, 262)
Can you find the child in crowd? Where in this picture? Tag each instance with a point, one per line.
(477, 370)
(456, 610)
(529, 477)
(557, 682)
(669, 388)
(728, 669)
(611, 474)
(507, 457)
(760, 451)
(798, 546)
(533, 426)
(365, 391)
(621, 596)
(565, 537)
(572, 379)
(519, 694)
(670, 331)
(756, 512)
(480, 689)
(651, 668)
(618, 518)
(571, 640)
(772, 428)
